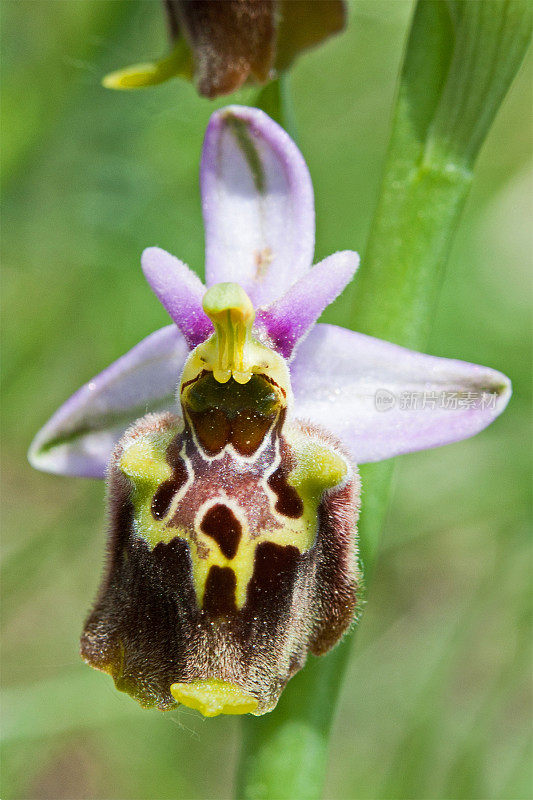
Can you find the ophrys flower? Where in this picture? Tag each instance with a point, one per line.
(226, 44)
(233, 544)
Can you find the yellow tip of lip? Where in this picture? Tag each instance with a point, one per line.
(213, 697)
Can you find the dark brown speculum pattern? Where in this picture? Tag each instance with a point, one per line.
(236, 563)
(221, 524)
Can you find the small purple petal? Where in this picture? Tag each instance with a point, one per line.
(258, 204)
(289, 319)
(80, 436)
(382, 400)
(180, 291)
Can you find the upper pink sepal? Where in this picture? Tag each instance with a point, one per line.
(258, 206)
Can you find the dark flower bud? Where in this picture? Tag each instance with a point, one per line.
(225, 43)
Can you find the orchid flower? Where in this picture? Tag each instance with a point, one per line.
(233, 504)
(225, 45)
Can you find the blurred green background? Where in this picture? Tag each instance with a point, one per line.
(438, 697)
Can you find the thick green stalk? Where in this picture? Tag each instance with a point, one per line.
(460, 59)
(275, 98)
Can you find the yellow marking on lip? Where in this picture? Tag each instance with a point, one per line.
(142, 462)
(213, 697)
(317, 469)
(242, 563)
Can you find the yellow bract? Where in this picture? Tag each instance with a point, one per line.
(151, 73)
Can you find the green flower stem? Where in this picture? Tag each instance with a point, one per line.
(276, 100)
(460, 59)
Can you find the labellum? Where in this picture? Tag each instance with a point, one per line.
(232, 534)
